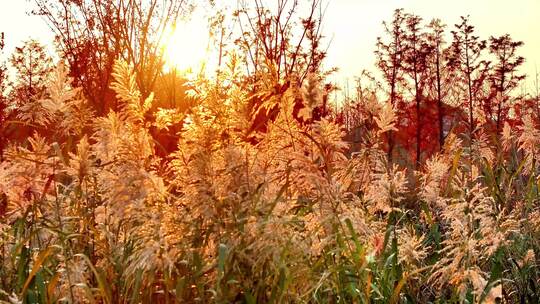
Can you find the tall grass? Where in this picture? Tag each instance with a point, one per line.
(93, 215)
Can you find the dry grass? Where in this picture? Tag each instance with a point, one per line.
(100, 218)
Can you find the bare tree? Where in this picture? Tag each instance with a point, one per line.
(417, 51)
(504, 78)
(435, 38)
(32, 66)
(280, 39)
(92, 34)
(390, 54)
(466, 59)
(280, 46)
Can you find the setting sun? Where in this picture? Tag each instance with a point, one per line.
(186, 47)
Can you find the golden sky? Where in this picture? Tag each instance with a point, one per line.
(353, 25)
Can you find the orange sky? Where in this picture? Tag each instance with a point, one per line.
(353, 25)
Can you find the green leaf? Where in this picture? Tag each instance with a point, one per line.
(40, 259)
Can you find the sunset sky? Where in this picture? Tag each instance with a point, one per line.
(353, 25)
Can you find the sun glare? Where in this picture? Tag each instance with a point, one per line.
(186, 47)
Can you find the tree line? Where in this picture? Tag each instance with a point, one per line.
(466, 84)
